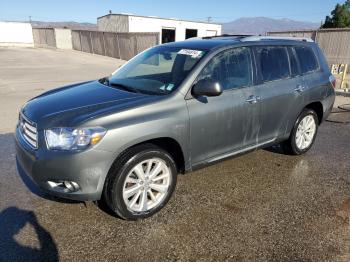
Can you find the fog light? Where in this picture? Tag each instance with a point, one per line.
(71, 186)
(64, 186)
(68, 185)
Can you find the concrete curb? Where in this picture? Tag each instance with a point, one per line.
(342, 93)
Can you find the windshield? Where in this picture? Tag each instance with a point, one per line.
(157, 71)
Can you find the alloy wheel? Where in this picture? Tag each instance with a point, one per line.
(146, 185)
(305, 132)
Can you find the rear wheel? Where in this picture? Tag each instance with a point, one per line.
(303, 134)
(141, 182)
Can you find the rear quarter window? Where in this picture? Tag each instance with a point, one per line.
(274, 63)
(307, 59)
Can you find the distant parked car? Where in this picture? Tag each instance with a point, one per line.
(172, 109)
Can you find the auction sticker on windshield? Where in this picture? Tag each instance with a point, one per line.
(190, 52)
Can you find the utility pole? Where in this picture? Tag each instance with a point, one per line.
(30, 19)
(209, 19)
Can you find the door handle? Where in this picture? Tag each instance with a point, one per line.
(299, 88)
(252, 99)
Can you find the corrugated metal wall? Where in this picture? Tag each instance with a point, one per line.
(304, 33)
(335, 43)
(113, 23)
(44, 37)
(119, 45)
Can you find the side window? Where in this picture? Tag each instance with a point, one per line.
(274, 63)
(231, 68)
(306, 58)
(294, 67)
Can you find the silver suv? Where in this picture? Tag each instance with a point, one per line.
(172, 109)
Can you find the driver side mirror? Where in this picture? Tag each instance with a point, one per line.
(207, 87)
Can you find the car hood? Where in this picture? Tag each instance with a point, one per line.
(71, 105)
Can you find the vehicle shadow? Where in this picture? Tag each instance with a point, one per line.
(277, 149)
(12, 220)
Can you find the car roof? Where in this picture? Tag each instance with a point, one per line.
(209, 43)
(203, 44)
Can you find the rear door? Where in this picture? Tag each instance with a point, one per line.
(223, 124)
(315, 81)
(280, 80)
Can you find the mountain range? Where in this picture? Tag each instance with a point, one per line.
(261, 25)
(70, 25)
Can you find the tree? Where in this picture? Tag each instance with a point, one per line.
(340, 16)
(347, 4)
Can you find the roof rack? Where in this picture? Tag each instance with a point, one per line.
(259, 38)
(225, 35)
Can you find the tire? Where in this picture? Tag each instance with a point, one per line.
(292, 145)
(125, 177)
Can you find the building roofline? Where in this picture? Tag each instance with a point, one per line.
(162, 18)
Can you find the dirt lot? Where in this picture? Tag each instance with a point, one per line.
(263, 206)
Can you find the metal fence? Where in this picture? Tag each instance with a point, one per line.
(44, 37)
(335, 43)
(119, 45)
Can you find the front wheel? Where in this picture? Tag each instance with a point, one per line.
(303, 134)
(141, 182)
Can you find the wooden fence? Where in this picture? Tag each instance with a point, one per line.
(335, 43)
(119, 45)
(44, 37)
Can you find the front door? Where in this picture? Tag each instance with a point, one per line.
(224, 124)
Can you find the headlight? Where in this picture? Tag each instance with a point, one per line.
(73, 139)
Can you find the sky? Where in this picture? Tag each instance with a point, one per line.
(219, 10)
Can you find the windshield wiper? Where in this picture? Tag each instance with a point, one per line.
(119, 86)
(107, 82)
(104, 81)
(125, 87)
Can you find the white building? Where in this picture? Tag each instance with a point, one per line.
(16, 34)
(169, 29)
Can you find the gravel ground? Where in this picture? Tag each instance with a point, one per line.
(263, 206)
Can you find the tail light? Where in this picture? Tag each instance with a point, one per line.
(333, 80)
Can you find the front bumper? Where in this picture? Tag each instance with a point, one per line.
(87, 168)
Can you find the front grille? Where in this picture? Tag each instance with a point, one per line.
(28, 130)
